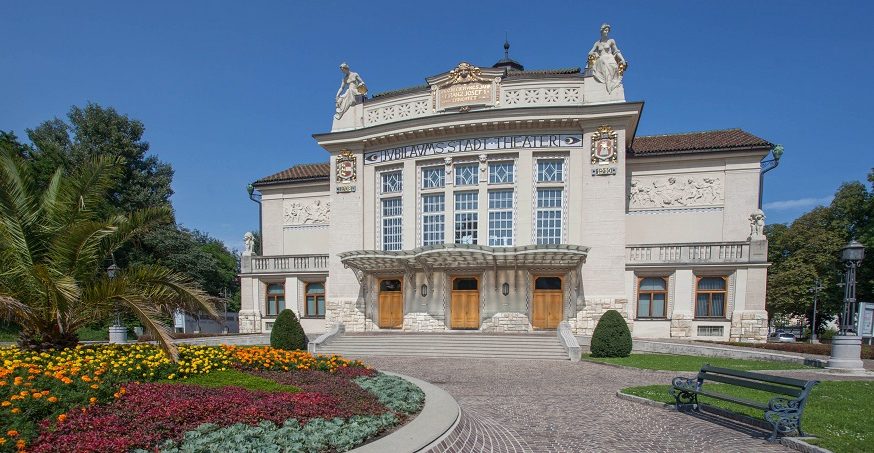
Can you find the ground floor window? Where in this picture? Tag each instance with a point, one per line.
(315, 300)
(652, 294)
(275, 298)
(710, 295)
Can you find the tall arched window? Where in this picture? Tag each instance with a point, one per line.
(275, 298)
(315, 300)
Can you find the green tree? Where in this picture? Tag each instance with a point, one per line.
(809, 249)
(54, 249)
(101, 131)
(287, 332)
(611, 337)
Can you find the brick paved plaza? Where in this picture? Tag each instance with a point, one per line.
(540, 406)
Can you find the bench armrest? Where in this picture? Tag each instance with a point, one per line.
(682, 383)
(783, 404)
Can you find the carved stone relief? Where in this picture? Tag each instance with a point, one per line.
(675, 191)
(315, 212)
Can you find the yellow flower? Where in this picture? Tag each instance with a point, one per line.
(16, 410)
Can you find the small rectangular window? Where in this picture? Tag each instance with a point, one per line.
(710, 295)
(710, 331)
(501, 172)
(652, 296)
(275, 299)
(315, 299)
(466, 174)
(433, 177)
(392, 228)
(550, 170)
(392, 181)
(466, 217)
(433, 220)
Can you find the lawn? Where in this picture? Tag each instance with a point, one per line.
(671, 362)
(838, 413)
(111, 398)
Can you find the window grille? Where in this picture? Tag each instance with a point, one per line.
(466, 174)
(433, 220)
(548, 220)
(500, 217)
(392, 181)
(550, 170)
(433, 177)
(392, 227)
(466, 217)
(501, 172)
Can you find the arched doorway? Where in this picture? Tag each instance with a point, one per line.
(391, 304)
(464, 307)
(547, 310)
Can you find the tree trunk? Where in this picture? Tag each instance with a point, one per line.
(42, 339)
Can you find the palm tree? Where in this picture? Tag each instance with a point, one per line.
(55, 247)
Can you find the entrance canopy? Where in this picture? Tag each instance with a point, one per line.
(465, 256)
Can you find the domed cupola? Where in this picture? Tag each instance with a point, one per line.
(508, 62)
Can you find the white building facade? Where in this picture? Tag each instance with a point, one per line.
(500, 199)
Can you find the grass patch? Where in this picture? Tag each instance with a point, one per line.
(237, 379)
(671, 362)
(838, 412)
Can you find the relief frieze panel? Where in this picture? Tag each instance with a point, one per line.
(309, 212)
(676, 191)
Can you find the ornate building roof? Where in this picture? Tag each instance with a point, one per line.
(299, 173)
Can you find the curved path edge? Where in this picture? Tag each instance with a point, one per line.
(435, 421)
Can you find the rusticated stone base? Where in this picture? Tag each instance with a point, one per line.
(349, 312)
(250, 322)
(681, 325)
(587, 317)
(749, 326)
(424, 322)
(507, 322)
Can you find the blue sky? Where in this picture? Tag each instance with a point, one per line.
(232, 91)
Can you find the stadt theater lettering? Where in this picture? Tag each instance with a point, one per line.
(474, 144)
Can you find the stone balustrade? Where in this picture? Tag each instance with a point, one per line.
(284, 263)
(697, 253)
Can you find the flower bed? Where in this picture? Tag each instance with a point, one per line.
(58, 386)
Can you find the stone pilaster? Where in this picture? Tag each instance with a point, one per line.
(681, 325)
(507, 322)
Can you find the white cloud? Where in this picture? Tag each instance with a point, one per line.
(799, 203)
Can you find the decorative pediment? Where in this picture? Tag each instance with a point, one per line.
(464, 87)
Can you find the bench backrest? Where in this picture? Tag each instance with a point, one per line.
(797, 388)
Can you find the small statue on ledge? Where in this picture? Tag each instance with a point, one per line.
(757, 225)
(606, 61)
(355, 91)
(249, 243)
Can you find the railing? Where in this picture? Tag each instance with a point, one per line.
(721, 252)
(285, 263)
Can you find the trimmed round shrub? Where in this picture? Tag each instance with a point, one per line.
(611, 337)
(287, 332)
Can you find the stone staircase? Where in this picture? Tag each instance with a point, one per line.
(466, 345)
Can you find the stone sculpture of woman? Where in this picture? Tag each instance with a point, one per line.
(606, 61)
(355, 91)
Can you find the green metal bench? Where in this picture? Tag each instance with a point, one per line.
(782, 412)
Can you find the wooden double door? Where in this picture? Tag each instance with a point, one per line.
(464, 305)
(547, 310)
(391, 304)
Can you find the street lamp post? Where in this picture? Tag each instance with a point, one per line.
(847, 345)
(815, 289)
(117, 331)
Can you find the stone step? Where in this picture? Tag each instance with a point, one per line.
(472, 354)
(533, 347)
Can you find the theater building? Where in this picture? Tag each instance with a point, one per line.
(503, 199)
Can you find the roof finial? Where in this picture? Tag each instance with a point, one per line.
(506, 46)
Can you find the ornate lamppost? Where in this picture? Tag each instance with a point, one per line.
(117, 331)
(847, 345)
(815, 289)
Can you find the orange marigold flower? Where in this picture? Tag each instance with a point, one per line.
(12, 433)
(92, 400)
(20, 444)
(95, 386)
(53, 399)
(16, 410)
(6, 403)
(62, 417)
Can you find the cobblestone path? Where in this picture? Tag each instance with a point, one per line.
(539, 406)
